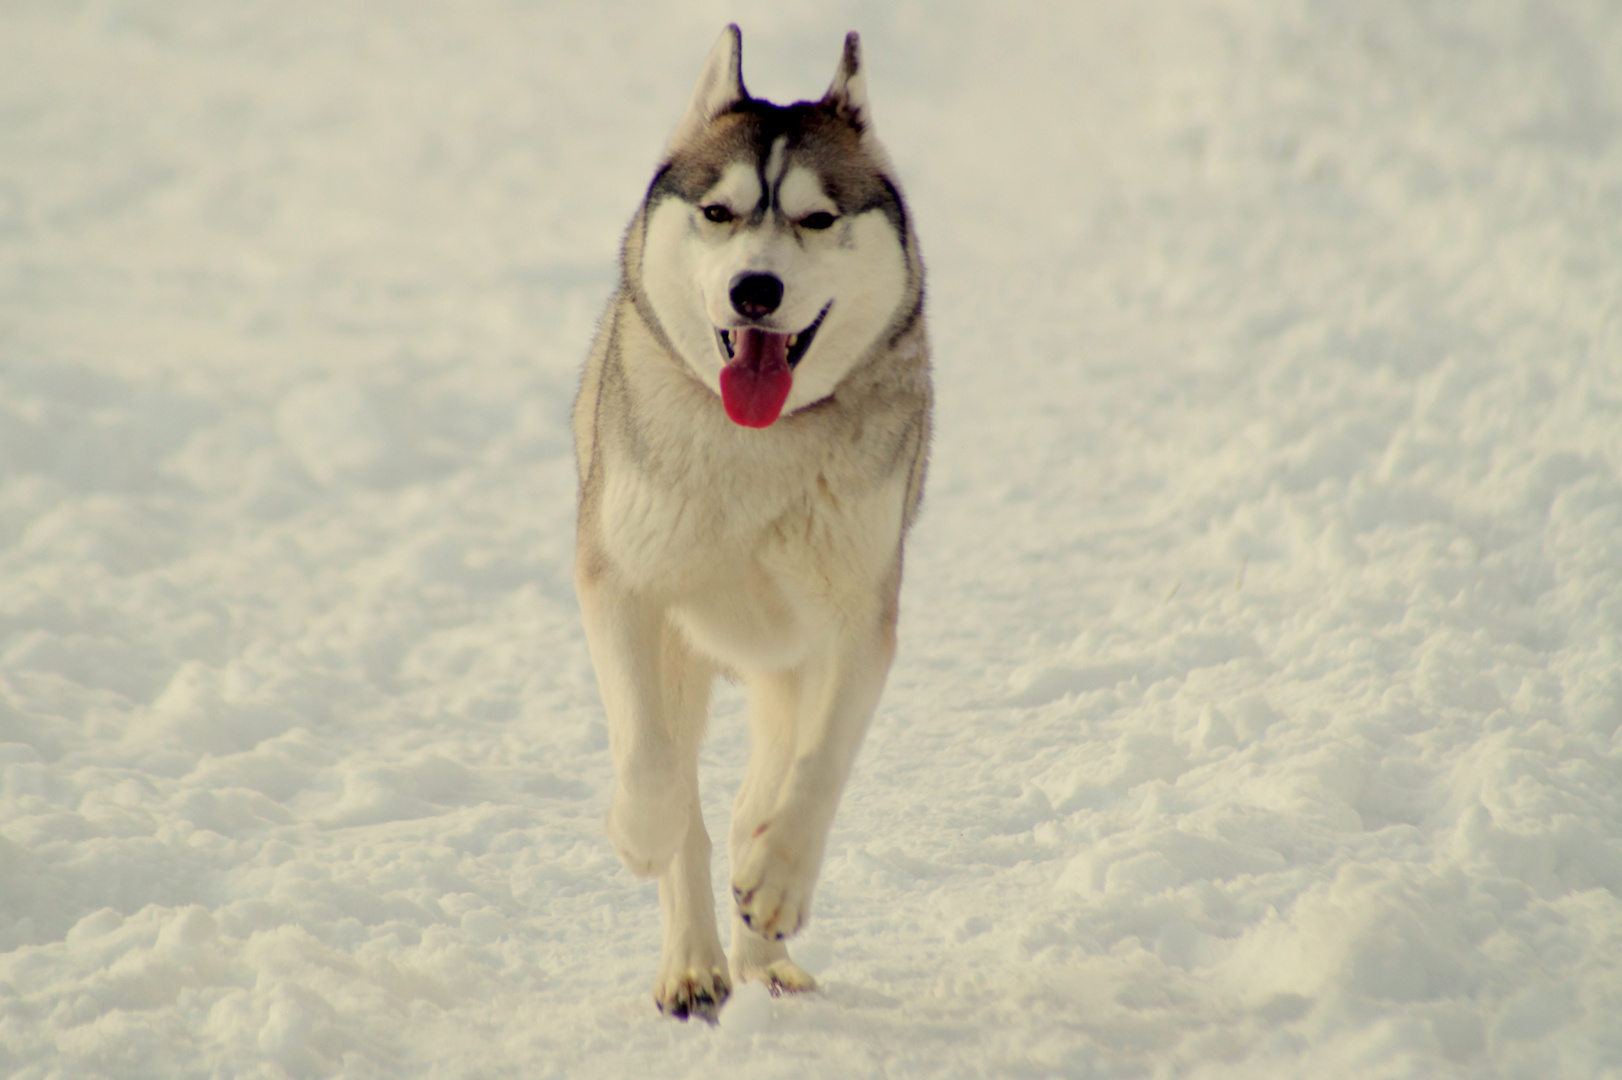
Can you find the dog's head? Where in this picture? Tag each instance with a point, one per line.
(775, 251)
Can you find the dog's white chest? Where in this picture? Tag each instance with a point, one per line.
(748, 567)
(668, 536)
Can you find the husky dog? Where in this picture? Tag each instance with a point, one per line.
(751, 433)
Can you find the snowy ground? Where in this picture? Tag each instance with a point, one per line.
(1259, 708)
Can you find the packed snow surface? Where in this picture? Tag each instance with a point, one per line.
(1259, 704)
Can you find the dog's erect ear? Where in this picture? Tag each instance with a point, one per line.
(720, 86)
(848, 92)
(847, 96)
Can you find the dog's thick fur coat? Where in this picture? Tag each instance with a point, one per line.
(769, 553)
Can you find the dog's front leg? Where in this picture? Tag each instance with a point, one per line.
(693, 977)
(840, 689)
(655, 690)
(657, 784)
(774, 709)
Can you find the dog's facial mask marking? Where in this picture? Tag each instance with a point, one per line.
(752, 203)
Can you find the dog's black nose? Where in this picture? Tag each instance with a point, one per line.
(756, 295)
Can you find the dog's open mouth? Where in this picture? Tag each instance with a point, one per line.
(759, 371)
(797, 343)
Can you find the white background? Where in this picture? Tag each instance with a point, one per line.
(1258, 705)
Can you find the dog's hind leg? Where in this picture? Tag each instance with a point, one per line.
(773, 713)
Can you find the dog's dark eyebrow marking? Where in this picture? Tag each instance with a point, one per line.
(773, 122)
(816, 135)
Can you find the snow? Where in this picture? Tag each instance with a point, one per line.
(1259, 705)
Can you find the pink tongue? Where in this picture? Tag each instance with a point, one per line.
(757, 381)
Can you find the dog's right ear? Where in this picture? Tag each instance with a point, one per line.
(720, 86)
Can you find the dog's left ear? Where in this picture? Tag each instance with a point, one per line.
(720, 86)
(848, 92)
(847, 96)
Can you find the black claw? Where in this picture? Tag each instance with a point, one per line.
(709, 1008)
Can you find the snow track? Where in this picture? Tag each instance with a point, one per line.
(1259, 705)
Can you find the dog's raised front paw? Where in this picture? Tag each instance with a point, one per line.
(773, 889)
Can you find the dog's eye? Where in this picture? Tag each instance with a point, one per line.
(717, 213)
(819, 220)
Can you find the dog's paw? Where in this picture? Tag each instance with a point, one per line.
(780, 977)
(645, 832)
(773, 888)
(684, 991)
